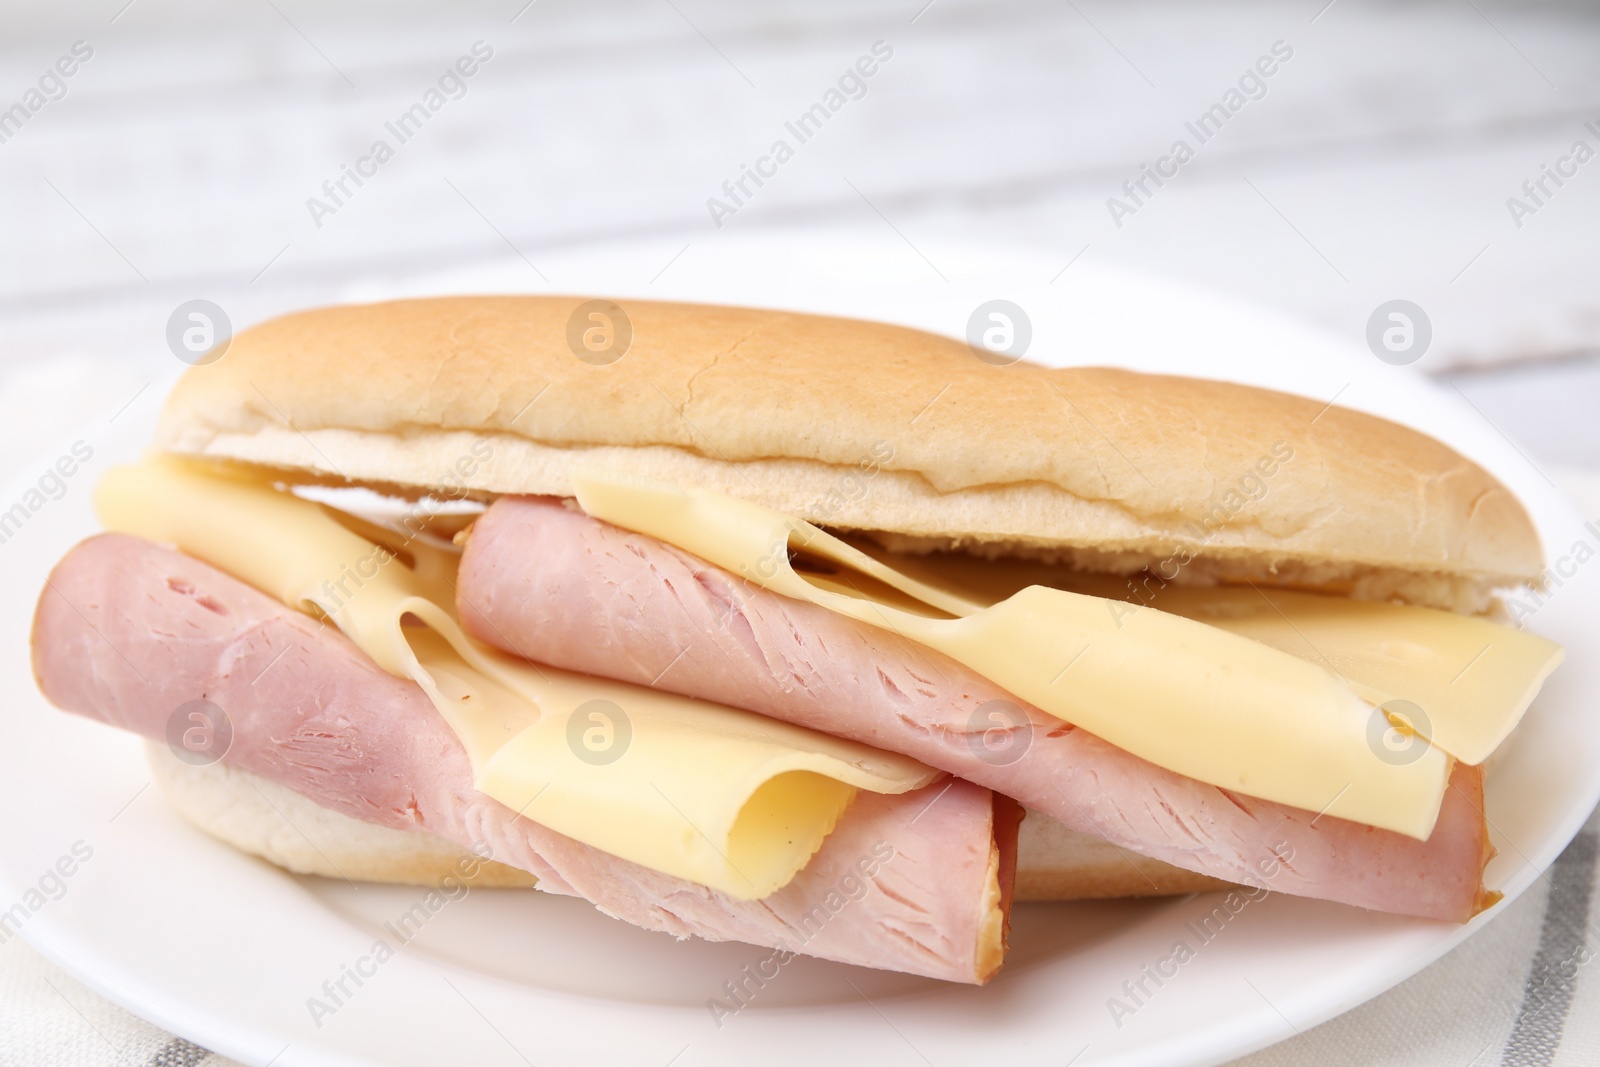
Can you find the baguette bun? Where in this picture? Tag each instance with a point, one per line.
(902, 435)
(263, 818)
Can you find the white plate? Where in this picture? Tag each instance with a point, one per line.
(225, 950)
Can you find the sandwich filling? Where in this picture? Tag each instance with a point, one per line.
(550, 583)
(726, 798)
(1261, 723)
(1192, 696)
(134, 634)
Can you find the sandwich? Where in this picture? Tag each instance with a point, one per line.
(816, 634)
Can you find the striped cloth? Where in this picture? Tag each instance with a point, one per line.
(49, 1020)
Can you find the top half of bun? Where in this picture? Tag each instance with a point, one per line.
(868, 427)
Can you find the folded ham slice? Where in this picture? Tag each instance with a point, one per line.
(543, 580)
(127, 631)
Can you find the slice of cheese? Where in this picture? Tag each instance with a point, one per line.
(720, 797)
(1461, 681)
(1228, 708)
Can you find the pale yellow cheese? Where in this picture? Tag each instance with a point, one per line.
(1466, 680)
(1227, 708)
(721, 797)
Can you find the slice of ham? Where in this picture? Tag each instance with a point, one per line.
(127, 631)
(543, 580)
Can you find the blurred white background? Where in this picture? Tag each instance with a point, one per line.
(1377, 162)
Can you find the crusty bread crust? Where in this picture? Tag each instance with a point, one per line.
(263, 818)
(870, 427)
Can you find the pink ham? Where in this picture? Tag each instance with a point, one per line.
(127, 631)
(545, 581)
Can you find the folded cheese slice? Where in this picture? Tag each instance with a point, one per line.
(1188, 694)
(721, 797)
(1461, 681)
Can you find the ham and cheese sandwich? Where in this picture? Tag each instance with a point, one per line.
(768, 626)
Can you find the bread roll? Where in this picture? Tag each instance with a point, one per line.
(866, 427)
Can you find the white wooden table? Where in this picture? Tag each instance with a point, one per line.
(1375, 162)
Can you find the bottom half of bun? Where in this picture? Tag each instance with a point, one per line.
(263, 818)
